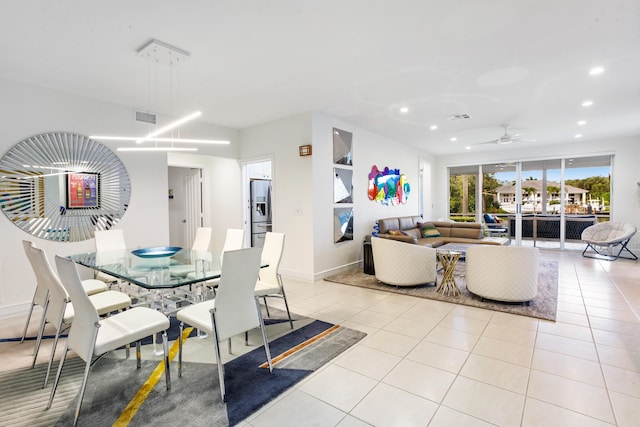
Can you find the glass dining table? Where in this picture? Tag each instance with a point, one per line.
(164, 279)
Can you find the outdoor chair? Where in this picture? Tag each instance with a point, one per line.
(604, 238)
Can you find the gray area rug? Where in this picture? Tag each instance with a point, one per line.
(194, 399)
(544, 306)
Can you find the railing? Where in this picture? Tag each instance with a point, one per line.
(547, 227)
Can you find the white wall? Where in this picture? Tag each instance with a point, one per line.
(625, 204)
(222, 197)
(292, 193)
(28, 111)
(369, 149)
(303, 188)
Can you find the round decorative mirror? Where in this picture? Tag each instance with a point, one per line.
(63, 186)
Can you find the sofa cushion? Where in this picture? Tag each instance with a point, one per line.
(387, 224)
(428, 230)
(432, 242)
(408, 222)
(444, 227)
(467, 233)
(397, 233)
(415, 232)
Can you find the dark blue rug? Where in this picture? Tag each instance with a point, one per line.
(194, 399)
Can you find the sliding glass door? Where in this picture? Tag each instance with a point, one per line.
(541, 202)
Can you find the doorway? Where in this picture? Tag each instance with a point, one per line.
(259, 196)
(185, 205)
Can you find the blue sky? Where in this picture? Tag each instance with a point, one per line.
(554, 174)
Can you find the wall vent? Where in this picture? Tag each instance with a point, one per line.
(456, 117)
(142, 116)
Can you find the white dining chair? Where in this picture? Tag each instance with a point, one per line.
(91, 286)
(234, 310)
(91, 337)
(200, 250)
(109, 241)
(57, 310)
(234, 240)
(269, 284)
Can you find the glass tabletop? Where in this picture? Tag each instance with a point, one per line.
(185, 267)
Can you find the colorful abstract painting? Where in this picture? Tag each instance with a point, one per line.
(388, 186)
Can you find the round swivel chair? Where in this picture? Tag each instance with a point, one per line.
(604, 237)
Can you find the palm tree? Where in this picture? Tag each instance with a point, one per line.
(529, 191)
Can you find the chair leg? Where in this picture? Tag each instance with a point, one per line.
(624, 247)
(26, 325)
(216, 344)
(180, 350)
(266, 307)
(138, 355)
(286, 304)
(165, 347)
(264, 336)
(55, 345)
(57, 380)
(43, 322)
(82, 390)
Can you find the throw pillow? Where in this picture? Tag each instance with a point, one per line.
(397, 233)
(428, 229)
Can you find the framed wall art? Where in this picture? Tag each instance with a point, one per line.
(83, 190)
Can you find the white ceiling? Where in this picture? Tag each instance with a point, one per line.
(523, 63)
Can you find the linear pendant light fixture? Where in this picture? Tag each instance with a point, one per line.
(162, 53)
(157, 149)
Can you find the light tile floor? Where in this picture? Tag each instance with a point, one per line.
(426, 362)
(431, 363)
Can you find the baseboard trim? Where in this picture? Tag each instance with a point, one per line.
(13, 310)
(319, 276)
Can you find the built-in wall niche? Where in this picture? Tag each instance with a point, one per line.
(342, 185)
(342, 224)
(342, 141)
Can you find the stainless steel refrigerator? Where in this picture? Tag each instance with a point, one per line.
(260, 206)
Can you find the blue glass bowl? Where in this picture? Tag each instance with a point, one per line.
(157, 252)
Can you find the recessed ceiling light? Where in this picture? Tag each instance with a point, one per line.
(582, 122)
(404, 110)
(433, 127)
(596, 70)
(468, 147)
(587, 103)
(578, 135)
(454, 139)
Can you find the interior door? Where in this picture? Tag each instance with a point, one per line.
(193, 206)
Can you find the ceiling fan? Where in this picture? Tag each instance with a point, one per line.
(508, 138)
